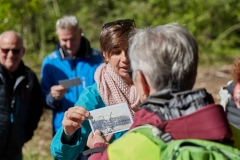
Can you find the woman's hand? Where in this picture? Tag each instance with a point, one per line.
(73, 119)
(98, 138)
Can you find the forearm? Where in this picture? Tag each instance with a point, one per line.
(70, 150)
(52, 103)
(68, 139)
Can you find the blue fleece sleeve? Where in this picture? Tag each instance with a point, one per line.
(47, 81)
(65, 151)
(90, 100)
(52, 103)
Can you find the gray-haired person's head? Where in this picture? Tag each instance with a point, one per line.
(167, 54)
(66, 22)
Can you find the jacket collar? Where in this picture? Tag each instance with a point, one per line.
(84, 50)
(19, 71)
(164, 103)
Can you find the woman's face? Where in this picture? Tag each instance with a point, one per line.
(236, 95)
(118, 59)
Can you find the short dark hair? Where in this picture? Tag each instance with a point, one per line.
(113, 36)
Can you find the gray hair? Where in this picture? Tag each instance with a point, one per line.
(67, 21)
(167, 54)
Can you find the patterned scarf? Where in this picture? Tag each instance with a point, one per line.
(114, 90)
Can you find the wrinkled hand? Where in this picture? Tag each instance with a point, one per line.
(73, 119)
(58, 92)
(236, 95)
(98, 138)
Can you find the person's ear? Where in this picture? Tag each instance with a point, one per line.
(105, 57)
(144, 84)
(80, 31)
(23, 51)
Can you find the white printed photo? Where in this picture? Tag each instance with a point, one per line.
(111, 119)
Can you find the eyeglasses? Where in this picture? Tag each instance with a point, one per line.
(14, 51)
(125, 22)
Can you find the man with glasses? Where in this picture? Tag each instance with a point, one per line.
(20, 97)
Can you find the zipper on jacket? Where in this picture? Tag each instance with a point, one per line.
(12, 110)
(76, 75)
(12, 100)
(18, 81)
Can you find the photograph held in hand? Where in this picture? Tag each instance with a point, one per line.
(111, 119)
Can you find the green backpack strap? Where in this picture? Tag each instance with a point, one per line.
(140, 143)
(154, 134)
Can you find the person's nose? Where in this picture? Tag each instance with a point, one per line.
(68, 44)
(10, 53)
(125, 57)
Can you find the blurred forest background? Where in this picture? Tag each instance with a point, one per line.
(214, 23)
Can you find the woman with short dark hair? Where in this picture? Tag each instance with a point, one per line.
(113, 86)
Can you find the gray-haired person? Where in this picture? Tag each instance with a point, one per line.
(164, 61)
(73, 58)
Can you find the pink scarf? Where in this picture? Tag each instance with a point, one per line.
(114, 90)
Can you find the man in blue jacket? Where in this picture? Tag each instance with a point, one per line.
(73, 58)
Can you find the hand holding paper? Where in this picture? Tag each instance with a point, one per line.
(97, 137)
(73, 119)
(58, 91)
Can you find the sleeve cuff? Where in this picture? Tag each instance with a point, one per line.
(100, 145)
(52, 103)
(66, 139)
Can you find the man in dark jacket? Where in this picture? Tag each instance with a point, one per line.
(20, 98)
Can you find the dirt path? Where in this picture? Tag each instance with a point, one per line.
(213, 78)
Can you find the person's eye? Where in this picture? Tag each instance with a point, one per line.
(73, 39)
(116, 51)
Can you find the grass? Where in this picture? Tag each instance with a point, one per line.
(38, 147)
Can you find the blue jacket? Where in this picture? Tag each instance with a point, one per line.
(90, 100)
(57, 67)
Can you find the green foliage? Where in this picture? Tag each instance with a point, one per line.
(214, 23)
